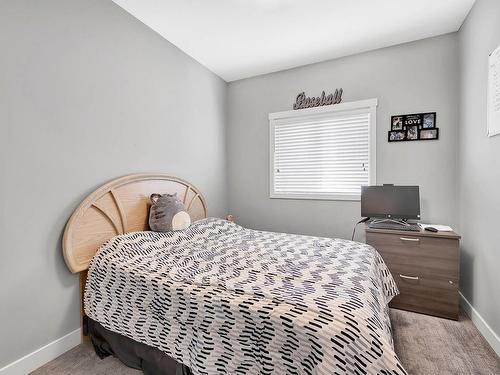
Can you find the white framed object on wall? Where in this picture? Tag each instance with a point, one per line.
(324, 153)
(493, 114)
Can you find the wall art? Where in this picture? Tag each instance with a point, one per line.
(413, 127)
(302, 101)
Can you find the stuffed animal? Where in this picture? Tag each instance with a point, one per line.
(167, 213)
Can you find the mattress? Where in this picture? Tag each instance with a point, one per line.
(223, 299)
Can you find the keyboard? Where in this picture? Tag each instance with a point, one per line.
(394, 226)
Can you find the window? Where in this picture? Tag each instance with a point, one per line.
(323, 152)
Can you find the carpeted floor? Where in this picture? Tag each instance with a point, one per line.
(429, 345)
(426, 346)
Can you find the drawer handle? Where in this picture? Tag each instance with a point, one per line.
(409, 277)
(409, 239)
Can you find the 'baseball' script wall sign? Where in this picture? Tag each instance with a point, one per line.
(303, 101)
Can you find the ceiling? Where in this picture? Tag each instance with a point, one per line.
(242, 38)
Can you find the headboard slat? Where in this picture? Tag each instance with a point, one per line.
(120, 206)
(108, 216)
(123, 216)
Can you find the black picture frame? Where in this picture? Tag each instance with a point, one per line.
(415, 126)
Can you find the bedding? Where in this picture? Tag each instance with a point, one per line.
(223, 299)
(151, 361)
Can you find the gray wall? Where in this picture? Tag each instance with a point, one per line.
(414, 77)
(479, 171)
(87, 93)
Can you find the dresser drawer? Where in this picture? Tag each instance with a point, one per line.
(425, 268)
(430, 257)
(426, 295)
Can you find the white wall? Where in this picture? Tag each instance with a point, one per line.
(479, 170)
(409, 78)
(87, 94)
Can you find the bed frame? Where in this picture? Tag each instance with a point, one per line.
(118, 207)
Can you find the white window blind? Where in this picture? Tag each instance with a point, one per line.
(323, 153)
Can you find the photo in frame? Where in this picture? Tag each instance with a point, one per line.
(429, 121)
(413, 127)
(429, 133)
(397, 123)
(412, 133)
(396, 136)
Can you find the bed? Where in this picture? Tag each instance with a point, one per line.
(218, 298)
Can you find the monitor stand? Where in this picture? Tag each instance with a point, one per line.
(395, 221)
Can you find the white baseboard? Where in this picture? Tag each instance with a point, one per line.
(43, 355)
(481, 324)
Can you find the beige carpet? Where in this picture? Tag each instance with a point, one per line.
(426, 346)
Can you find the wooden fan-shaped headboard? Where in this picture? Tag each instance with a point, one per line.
(119, 207)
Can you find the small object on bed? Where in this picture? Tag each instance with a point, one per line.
(167, 213)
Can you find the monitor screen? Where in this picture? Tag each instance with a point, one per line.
(389, 201)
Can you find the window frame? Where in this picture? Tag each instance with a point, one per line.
(370, 105)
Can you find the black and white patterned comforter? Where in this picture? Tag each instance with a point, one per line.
(223, 299)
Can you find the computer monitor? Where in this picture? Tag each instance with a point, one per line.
(390, 202)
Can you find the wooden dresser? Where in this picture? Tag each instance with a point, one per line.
(425, 266)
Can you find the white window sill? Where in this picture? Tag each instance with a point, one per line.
(323, 197)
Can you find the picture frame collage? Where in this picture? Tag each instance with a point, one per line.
(413, 127)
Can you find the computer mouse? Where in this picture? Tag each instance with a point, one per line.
(431, 229)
